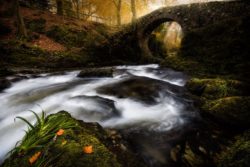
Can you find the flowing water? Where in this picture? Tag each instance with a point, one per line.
(129, 106)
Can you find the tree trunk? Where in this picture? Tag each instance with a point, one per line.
(77, 9)
(133, 10)
(21, 30)
(59, 6)
(119, 5)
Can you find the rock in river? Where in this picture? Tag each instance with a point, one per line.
(141, 88)
(96, 72)
(4, 83)
(97, 107)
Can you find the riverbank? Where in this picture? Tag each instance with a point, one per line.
(216, 58)
(61, 140)
(54, 42)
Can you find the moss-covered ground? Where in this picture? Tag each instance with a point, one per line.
(67, 149)
(216, 58)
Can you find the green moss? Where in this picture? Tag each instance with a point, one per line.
(231, 110)
(21, 54)
(75, 38)
(73, 151)
(217, 88)
(67, 150)
(237, 154)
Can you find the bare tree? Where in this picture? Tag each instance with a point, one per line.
(77, 6)
(118, 5)
(59, 7)
(11, 8)
(133, 10)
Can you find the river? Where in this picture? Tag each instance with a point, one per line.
(143, 98)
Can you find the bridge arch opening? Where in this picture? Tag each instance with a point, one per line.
(165, 40)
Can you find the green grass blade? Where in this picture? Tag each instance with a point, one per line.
(26, 121)
(37, 117)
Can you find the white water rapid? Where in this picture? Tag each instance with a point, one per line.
(81, 98)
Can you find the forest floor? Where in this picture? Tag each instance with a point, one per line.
(53, 41)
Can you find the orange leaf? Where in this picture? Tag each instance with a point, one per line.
(88, 149)
(34, 157)
(60, 132)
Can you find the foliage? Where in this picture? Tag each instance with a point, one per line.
(39, 137)
(237, 154)
(230, 110)
(40, 133)
(60, 140)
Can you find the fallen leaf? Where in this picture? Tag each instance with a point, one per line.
(60, 132)
(88, 149)
(34, 157)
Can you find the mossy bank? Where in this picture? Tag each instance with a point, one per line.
(66, 149)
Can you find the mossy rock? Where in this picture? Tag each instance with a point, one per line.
(66, 150)
(230, 110)
(96, 72)
(237, 154)
(141, 89)
(217, 88)
(4, 83)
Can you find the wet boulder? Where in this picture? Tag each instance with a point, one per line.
(230, 110)
(4, 83)
(96, 107)
(18, 78)
(96, 72)
(141, 88)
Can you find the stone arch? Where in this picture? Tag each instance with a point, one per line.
(144, 35)
(189, 17)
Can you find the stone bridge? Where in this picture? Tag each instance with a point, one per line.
(190, 17)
